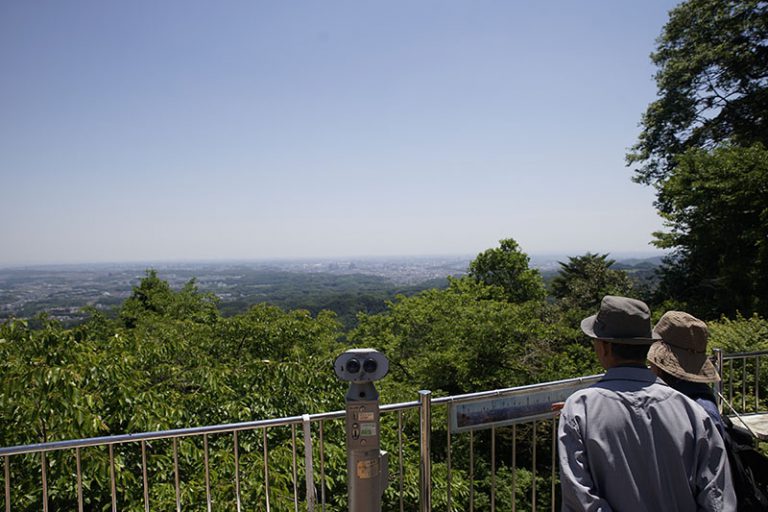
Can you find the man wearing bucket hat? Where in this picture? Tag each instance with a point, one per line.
(680, 359)
(630, 442)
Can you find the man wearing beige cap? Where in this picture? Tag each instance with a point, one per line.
(680, 359)
(630, 442)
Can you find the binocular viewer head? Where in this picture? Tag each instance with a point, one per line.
(361, 365)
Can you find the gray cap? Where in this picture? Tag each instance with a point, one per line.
(621, 320)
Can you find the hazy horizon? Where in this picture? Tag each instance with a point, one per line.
(534, 257)
(169, 131)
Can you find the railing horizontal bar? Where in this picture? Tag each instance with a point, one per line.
(276, 422)
(741, 355)
(162, 434)
(404, 406)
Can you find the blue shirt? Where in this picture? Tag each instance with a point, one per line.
(702, 394)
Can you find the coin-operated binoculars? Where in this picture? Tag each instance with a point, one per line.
(367, 465)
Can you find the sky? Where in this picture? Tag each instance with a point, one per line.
(253, 129)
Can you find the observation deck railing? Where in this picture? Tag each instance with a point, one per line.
(428, 421)
(511, 465)
(741, 392)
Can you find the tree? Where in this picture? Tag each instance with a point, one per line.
(507, 267)
(703, 148)
(154, 296)
(715, 204)
(469, 337)
(583, 281)
(712, 59)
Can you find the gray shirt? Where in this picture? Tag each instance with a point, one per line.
(632, 443)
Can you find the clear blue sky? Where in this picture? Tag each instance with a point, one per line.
(165, 130)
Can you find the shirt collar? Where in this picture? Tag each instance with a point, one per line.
(632, 373)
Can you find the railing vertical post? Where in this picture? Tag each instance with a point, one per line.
(757, 383)
(553, 463)
(113, 486)
(471, 471)
(237, 472)
(425, 464)
(266, 466)
(79, 481)
(719, 384)
(145, 480)
(294, 469)
(309, 475)
(514, 468)
(177, 484)
(321, 440)
(533, 469)
(207, 474)
(448, 462)
(7, 484)
(44, 464)
(400, 458)
(744, 384)
(493, 469)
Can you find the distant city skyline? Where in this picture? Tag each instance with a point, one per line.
(63, 290)
(191, 131)
(537, 260)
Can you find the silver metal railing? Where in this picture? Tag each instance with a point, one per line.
(473, 471)
(740, 382)
(174, 435)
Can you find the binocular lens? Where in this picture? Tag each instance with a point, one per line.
(370, 366)
(353, 366)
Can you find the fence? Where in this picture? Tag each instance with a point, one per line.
(298, 463)
(209, 467)
(739, 391)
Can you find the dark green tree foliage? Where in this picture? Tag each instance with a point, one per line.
(154, 297)
(703, 148)
(459, 340)
(715, 204)
(712, 59)
(507, 267)
(583, 281)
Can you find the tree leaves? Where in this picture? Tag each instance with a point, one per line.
(507, 267)
(712, 59)
(716, 210)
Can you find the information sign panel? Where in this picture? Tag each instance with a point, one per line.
(518, 406)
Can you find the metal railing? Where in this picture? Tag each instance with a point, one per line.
(742, 377)
(142, 440)
(513, 465)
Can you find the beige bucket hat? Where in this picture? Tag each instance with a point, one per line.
(682, 351)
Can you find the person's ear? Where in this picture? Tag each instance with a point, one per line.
(599, 347)
(607, 349)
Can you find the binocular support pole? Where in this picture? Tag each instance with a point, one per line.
(367, 465)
